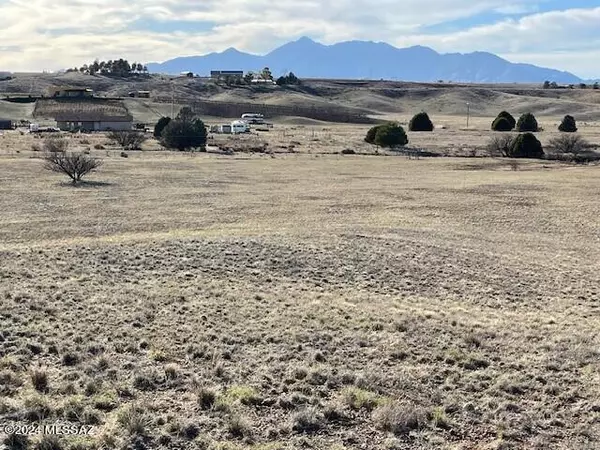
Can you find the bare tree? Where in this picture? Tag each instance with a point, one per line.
(499, 145)
(569, 143)
(55, 145)
(74, 165)
(129, 140)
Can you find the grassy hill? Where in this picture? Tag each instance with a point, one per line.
(376, 98)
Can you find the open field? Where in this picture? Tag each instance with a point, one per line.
(302, 300)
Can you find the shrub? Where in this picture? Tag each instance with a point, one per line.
(391, 135)
(39, 379)
(370, 138)
(568, 125)
(129, 140)
(508, 116)
(500, 145)
(526, 146)
(16, 442)
(527, 123)
(134, 420)
(570, 143)
(420, 122)
(206, 397)
(358, 399)
(308, 420)
(502, 124)
(55, 145)
(74, 165)
(160, 126)
(401, 418)
(185, 132)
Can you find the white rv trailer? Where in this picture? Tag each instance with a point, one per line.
(239, 126)
(253, 118)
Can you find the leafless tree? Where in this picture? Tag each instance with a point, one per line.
(500, 144)
(74, 165)
(55, 145)
(129, 140)
(569, 143)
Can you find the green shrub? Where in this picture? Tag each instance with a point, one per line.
(420, 122)
(527, 123)
(526, 145)
(370, 138)
(508, 116)
(501, 124)
(185, 132)
(391, 135)
(568, 125)
(160, 126)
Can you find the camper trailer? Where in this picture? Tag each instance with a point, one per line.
(239, 126)
(253, 118)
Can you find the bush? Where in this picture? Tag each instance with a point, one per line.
(500, 145)
(55, 145)
(160, 126)
(527, 123)
(508, 116)
(526, 146)
(568, 125)
(129, 140)
(570, 143)
(502, 124)
(185, 132)
(370, 138)
(420, 122)
(74, 165)
(401, 418)
(390, 135)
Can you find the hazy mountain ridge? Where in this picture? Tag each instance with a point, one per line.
(364, 59)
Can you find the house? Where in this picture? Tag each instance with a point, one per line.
(93, 121)
(6, 124)
(222, 74)
(140, 94)
(68, 92)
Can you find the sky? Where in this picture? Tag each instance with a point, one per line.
(38, 35)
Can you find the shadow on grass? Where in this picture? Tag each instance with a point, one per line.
(87, 184)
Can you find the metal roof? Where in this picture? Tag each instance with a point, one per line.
(81, 116)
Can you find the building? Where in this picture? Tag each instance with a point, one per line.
(93, 121)
(140, 94)
(68, 92)
(222, 74)
(6, 124)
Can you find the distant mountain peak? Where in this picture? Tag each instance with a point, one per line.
(366, 59)
(306, 40)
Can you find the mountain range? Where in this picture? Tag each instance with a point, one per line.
(370, 60)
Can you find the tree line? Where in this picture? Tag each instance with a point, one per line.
(118, 67)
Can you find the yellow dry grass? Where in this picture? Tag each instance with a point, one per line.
(460, 294)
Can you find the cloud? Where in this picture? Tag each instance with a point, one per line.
(45, 34)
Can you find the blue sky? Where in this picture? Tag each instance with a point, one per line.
(50, 35)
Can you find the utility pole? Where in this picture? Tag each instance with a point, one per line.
(172, 100)
(468, 113)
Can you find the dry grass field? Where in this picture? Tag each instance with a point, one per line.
(301, 300)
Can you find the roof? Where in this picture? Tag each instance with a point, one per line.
(74, 89)
(87, 116)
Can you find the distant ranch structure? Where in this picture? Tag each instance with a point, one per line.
(93, 121)
(70, 92)
(222, 74)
